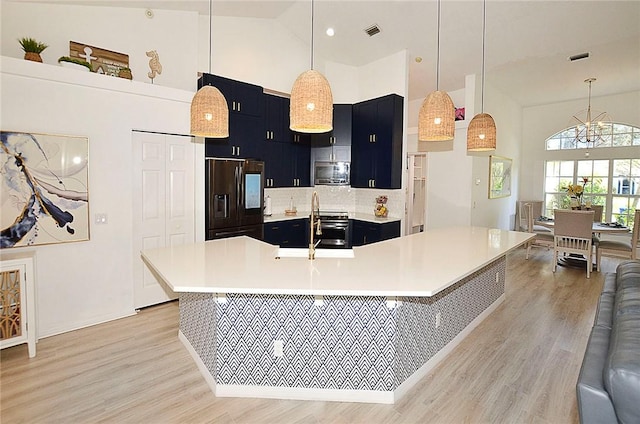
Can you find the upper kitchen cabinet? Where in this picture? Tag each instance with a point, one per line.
(242, 98)
(276, 118)
(245, 119)
(376, 144)
(286, 165)
(341, 133)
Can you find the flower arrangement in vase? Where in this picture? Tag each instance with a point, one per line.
(575, 192)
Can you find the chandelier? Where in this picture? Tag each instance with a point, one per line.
(591, 126)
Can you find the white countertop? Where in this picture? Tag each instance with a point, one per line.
(421, 265)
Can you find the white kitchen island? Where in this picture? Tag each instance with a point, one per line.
(360, 329)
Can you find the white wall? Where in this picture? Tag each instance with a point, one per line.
(123, 30)
(507, 114)
(83, 283)
(258, 51)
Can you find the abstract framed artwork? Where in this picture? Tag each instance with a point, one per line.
(44, 196)
(499, 177)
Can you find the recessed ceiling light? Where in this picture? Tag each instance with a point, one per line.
(330, 32)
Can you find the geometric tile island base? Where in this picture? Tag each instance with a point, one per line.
(337, 348)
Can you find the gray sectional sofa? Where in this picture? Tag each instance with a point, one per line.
(608, 387)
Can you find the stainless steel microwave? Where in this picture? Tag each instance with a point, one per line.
(332, 173)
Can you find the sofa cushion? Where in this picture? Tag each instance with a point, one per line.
(621, 373)
(594, 403)
(627, 301)
(604, 314)
(628, 274)
(609, 285)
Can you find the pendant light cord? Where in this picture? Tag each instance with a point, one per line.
(312, 10)
(210, 20)
(484, 30)
(438, 47)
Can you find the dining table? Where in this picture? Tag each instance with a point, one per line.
(598, 228)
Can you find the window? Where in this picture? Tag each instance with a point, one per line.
(612, 183)
(613, 135)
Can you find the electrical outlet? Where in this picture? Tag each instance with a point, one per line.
(438, 319)
(278, 348)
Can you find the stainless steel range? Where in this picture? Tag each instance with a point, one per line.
(336, 231)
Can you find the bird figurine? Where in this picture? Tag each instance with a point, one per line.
(154, 64)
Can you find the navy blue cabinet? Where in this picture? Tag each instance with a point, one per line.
(276, 118)
(245, 119)
(286, 154)
(341, 133)
(376, 145)
(364, 232)
(289, 233)
(242, 98)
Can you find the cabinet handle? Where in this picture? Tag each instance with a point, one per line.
(238, 150)
(233, 150)
(239, 106)
(373, 183)
(233, 105)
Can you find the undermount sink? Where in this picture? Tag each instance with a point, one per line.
(291, 252)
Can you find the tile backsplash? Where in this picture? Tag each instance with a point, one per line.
(335, 198)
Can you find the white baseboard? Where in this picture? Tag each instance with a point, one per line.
(211, 382)
(302, 393)
(421, 372)
(335, 395)
(54, 331)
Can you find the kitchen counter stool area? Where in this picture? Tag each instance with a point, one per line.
(335, 348)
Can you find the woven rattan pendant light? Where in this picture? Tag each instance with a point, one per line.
(436, 120)
(311, 107)
(209, 110)
(481, 134)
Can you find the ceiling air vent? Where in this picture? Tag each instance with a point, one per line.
(578, 57)
(372, 30)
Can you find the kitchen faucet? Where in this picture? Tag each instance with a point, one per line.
(315, 211)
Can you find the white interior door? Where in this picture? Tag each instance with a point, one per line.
(163, 205)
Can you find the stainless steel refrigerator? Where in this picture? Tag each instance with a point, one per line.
(234, 198)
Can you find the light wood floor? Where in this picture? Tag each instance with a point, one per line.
(519, 366)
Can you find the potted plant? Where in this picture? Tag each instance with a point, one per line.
(125, 73)
(32, 49)
(74, 62)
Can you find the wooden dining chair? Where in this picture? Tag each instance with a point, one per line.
(621, 249)
(534, 211)
(544, 237)
(597, 209)
(572, 235)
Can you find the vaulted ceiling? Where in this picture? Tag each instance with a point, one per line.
(527, 46)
